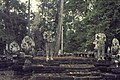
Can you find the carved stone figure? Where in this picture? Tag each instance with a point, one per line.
(115, 46)
(49, 37)
(27, 44)
(99, 42)
(115, 50)
(14, 47)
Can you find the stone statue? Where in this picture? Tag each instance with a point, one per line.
(115, 51)
(115, 46)
(14, 47)
(28, 44)
(49, 37)
(99, 42)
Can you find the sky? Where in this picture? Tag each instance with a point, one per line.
(33, 4)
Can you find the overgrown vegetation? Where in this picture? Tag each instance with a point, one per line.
(82, 19)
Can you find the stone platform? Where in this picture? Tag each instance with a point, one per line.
(65, 68)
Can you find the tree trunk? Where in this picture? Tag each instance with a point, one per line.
(59, 28)
(28, 17)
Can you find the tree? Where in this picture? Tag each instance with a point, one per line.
(59, 36)
(84, 18)
(14, 20)
(74, 33)
(38, 38)
(48, 17)
(103, 18)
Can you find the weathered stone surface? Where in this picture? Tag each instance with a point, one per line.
(68, 68)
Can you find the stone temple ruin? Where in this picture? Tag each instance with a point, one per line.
(70, 66)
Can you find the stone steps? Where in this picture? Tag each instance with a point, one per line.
(63, 77)
(79, 73)
(108, 70)
(5, 64)
(61, 68)
(64, 60)
(67, 68)
(110, 76)
(47, 69)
